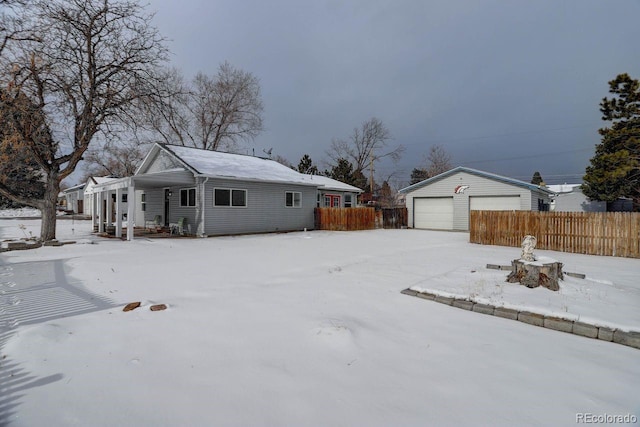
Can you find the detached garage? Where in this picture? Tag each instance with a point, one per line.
(444, 201)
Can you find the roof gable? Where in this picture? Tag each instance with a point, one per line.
(159, 159)
(479, 173)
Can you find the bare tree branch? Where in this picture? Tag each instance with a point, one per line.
(366, 143)
(212, 112)
(99, 57)
(437, 161)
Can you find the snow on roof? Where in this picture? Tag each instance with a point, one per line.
(97, 180)
(74, 188)
(235, 166)
(330, 183)
(563, 188)
(102, 179)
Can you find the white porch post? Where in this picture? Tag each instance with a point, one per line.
(109, 209)
(119, 212)
(200, 207)
(131, 209)
(101, 211)
(94, 218)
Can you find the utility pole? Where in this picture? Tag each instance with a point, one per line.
(371, 173)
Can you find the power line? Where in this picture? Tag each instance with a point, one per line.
(505, 134)
(528, 156)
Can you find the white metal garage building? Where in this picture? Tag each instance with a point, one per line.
(444, 201)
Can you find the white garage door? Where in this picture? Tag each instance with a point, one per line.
(494, 203)
(435, 213)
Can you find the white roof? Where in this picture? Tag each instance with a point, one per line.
(77, 187)
(96, 180)
(236, 166)
(330, 183)
(563, 188)
(102, 179)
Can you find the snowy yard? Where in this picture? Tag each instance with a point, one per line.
(304, 329)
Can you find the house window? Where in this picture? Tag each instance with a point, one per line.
(332, 201)
(188, 197)
(347, 201)
(143, 202)
(229, 197)
(124, 197)
(318, 200)
(292, 199)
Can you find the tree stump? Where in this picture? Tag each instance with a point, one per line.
(533, 275)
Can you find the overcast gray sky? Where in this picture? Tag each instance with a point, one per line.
(505, 86)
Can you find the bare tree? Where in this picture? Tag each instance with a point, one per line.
(437, 161)
(367, 143)
(113, 159)
(98, 57)
(283, 161)
(211, 112)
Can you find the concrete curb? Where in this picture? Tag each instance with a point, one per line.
(629, 339)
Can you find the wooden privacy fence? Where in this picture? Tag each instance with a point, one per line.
(347, 219)
(394, 217)
(593, 233)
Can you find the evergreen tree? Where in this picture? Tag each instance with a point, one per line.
(359, 180)
(20, 173)
(342, 171)
(306, 165)
(418, 175)
(615, 168)
(537, 179)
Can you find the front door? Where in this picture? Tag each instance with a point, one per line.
(167, 194)
(332, 201)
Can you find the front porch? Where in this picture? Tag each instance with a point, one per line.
(150, 203)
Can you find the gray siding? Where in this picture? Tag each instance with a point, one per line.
(539, 195)
(478, 186)
(265, 210)
(155, 205)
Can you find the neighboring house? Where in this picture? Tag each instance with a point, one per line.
(74, 198)
(569, 198)
(333, 193)
(214, 193)
(443, 202)
(89, 200)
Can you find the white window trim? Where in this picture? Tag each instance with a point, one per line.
(293, 199)
(230, 205)
(195, 197)
(344, 202)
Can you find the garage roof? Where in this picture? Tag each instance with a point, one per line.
(476, 172)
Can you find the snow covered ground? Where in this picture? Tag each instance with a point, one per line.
(22, 213)
(305, 329)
